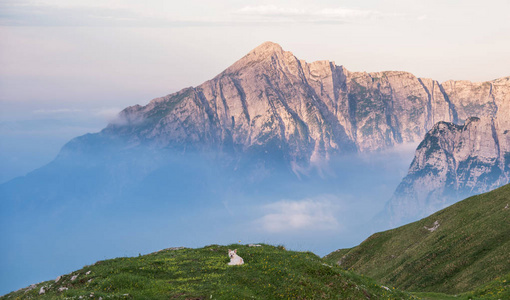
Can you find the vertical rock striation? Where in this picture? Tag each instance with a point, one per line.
(269, 101)
(451, 163)
(274, 108)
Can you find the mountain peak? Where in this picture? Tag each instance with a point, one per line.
(268, 46)
(264, 50)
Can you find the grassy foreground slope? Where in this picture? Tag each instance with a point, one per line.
(454, 250)
(268, 273)
(497, 289)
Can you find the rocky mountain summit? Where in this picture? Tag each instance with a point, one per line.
(271, 116)
(453, 162)
(269, 101)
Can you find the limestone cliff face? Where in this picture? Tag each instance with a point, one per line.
(451, 163)
(271, 101)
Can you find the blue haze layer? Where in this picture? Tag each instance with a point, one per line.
(100, 199)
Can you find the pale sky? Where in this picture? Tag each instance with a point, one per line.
(120, 52)
(85, 60)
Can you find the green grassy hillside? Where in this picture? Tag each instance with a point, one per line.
(268, 273)
(497, 289)
(454, 250)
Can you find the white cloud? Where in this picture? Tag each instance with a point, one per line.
(58, 13)
(163, 14)
(103, 13)
(56, 111)
(109, 114)
(347, 13)
(271, 10)
(100, 114)
(303, 215)
(273, 13)
(422, 18)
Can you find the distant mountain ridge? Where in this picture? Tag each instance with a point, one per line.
(452, 162)
(272, 102)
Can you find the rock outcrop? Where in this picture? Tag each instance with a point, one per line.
(451, 163)
(272, 102)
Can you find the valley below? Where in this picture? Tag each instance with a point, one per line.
(463, 254)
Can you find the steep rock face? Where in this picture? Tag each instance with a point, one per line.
(272, 102)
(453, 162)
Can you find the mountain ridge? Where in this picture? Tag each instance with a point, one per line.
(452, 162)
(272, 101)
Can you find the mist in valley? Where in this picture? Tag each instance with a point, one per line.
(109, 200)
